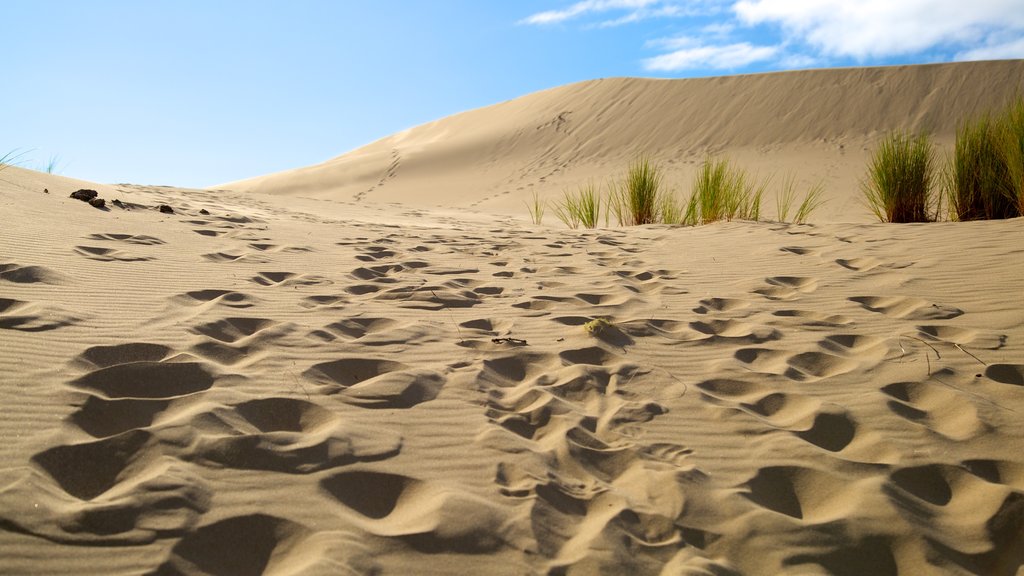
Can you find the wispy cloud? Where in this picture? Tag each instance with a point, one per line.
(631, 11)
(688, 54)
(585, 7)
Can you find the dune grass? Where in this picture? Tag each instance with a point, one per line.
(11, 158)
(722, 191)
(811, 202)
(52, 165)
(635, 199)
(899, 186)
(785, 198)
(1011, 148)
(582, 208)
(976, 176)
(536, 207)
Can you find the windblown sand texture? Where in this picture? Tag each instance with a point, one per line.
(290, 385)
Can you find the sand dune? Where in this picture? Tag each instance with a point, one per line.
(817, 124)
(320, 383)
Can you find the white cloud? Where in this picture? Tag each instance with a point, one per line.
(995, 51)
(635, 11)
(585, 7)
(688, 55)
(881, 28)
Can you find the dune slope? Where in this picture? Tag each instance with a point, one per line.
(817, 124)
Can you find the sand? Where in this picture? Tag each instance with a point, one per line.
(321, 384)
(816, 125)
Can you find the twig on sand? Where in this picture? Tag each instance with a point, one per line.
(509, 340)
(452, 316)
(961, 348)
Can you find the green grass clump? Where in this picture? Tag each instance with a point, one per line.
(984, 177)
(811, 202)
(787, 196)
(582, 208)
(10, 158)
(635, 200)
(536, 208)
(724, 192)
(898, 187)
(1012, 147)
(597, 326)
(977, 179)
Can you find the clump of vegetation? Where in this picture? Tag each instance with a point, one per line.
(52, 165)
(1011, 146)
(582, 208)
(635, 200)
(787, 196)
(536, 208)
(984, 178)
(898, 187)
(724, 192)
(597, 326)
(10, 158)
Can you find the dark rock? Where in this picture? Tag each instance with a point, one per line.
(166, 209)
(120, 204)
(204, 212)
(97, 202)
(84, 195)
(46, 190)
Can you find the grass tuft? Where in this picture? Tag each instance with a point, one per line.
(635, 200)
(724, 192)
(582, 208)
(898, 187)
(811, 202)
(11, 158)
(1011, 148)
(977, 179)
(597, 326)
(536, 208)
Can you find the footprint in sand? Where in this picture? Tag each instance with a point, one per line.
(288, 279)
(264, 544)
(1012, 374)
(787, 287)
(228, 298)
(938, 408)
(288, 435)
(101, 254)
(709, 305)
(814, 318)
(806, 494)
(140, 239)
(28, 317)
(376, 383)
(907, 308)
(20, 274)
(420, 513)
(959, 511)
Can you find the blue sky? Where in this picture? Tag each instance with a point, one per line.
(195, 93)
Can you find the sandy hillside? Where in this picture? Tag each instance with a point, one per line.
(818, 125)
(268, 384)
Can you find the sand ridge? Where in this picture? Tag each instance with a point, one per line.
(287, 386)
